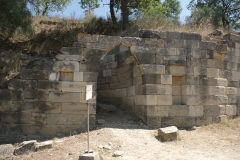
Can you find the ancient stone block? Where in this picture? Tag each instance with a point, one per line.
(153, 111)
(23, 106)
(154, 42)
(90, 66)
(172, 121)
(49, 107)
(39, 118)
(66, 97)
(90, 76)
(200, 71)
(208, 45)
(121, 92)
(74, 87)
(168, 133)
(64, 57)
(93, 54)
(131, 91)
(53, 76)
(177, 70)
(18, 84)
(75, 108)
(212, 72)
(106, 93)
(65, 119)
(16, 117)
(6, 150)
(153, 122)
(153, 69)
(164, 99)
(5, 106)
(178, 110)
(231, 110)
(231, 90)
(12, 138)
(49, 85)
(195, 111)
(67, 66)
(43, 130)
(215, 81)
(154, 89)
(34, 74)
(166, 79)
(78, 76)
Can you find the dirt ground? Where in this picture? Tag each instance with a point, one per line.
(123, 131)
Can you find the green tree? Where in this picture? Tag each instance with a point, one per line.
(43, 7)
(13, 14)
(169, 8)
(224, 13)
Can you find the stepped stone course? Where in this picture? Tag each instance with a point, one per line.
(165, 78)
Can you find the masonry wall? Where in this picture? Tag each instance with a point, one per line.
(165, 78)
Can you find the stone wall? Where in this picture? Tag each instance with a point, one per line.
(165, 78)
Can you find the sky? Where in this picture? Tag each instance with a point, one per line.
(74, 10)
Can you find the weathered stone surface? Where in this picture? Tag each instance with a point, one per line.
(11, 138)
(34, 74)
(64, 57)
(25, 147)
(65, 119)
(161, 111)
(93, 54)
(78, 76)
(168, 133)
(43, 145)
(6, 151)
(177, 70)
(18, 84)
(90, 156)
(66, 66)
(66, 97)
(49, 85)
(117, 153)
(49, 107)
(153, 69)
(71, 50)
(74, 87)
(232, 37)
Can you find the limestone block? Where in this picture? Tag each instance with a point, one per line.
(177, 70)
(76, 108)
(208, 45)
(153, 111)
(107, 73)
(64, 57)
(231, 91)
(168, 133)
(235, 75)
(176, 90)
(39, 118)
(6, 150)
(90, 66)
(40, 95)
(177, 100)
(137, 81)
(233, 83)
(74, 86)
(121, 92)
(154, 89)
(166, 79)
(144, 49)
(216, 90)
(130, 59)
(6, 94)
(195, 111)
(238, 110)
(178, 110)
(189, 122)
(223, 118)
(125, 76)
(67, 66)
(109, 58)
(137, 71)
(207, 100)
(90, 76)
(24, 106)
(94, 54)
(25, 147)
(66, 97)
(125, 68)
(83, 37)
(18, 84)
(49, 85)
(192, 80)
(106, 93)
(200, 121)
(47, 130)
(111, 65)
(231, 110)
(66, 119)
(71, 50)
(214, 110)
(131, 91)
(5, 105)
(44, 145)
(212, 72)
(49, 107)
(119, 85)
(232, 99)
(154, 42)
(215, 82)
(34, 74)
(78, 76)
(200, 71)
(153, 69)
(16, 117)
(152, 78)
(53, 76)
(66, 76)
(103, 86)
(133, 41)
(146, 58)
(164, 99)
(204, 54)
(172, 121)
(167, 51)
(231, 66)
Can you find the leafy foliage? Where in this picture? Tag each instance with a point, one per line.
(43, 7)
(13, 15)
(224, 13)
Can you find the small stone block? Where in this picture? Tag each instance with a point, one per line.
(168, 133)
(223, 118)
(90, 156)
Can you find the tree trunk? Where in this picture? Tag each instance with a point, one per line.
(44, 13)
(113, 17)
(125, 14)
